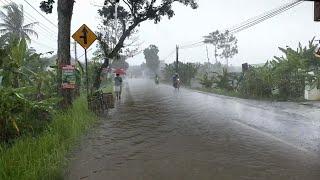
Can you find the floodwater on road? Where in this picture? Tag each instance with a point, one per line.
(156, 133)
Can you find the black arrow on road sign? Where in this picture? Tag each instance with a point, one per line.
(84, 36)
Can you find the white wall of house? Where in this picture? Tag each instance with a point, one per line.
(312, 94)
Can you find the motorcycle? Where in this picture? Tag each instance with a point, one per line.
(176, 84)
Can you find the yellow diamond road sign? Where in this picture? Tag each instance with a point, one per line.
(84, 36)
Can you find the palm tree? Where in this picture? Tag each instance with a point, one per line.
(13, 23)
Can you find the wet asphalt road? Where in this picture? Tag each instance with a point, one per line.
(158, 133)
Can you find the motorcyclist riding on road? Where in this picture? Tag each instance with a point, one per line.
(157, 79)
(176, 80)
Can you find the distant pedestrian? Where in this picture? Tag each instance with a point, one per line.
(118, 86)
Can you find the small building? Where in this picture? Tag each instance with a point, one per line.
(311, 93)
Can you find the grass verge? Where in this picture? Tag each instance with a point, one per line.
(221, 92)
(44, 157)
(239, 95)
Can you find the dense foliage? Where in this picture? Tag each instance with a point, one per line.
(20, 115)
(186, 71)
(27, 86)
(152, 58)
(44, 156)
(13, 23)
(130, 14)
(282, 78)
(224, 43)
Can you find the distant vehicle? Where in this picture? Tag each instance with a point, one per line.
(156, 79)
(176, 81)
(176, 84)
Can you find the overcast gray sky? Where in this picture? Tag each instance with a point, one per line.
(256, 45)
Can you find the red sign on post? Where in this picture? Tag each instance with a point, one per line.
(68, 77)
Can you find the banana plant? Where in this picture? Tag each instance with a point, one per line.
(11, 105)
(14, 106)
(13, 62)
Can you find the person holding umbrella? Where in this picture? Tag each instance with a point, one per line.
(118, 86)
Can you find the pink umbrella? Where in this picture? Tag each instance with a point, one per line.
(120, 71)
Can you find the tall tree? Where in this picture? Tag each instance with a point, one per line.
(12, 25)
(65, 9)
(152, 58)
(224, 43)
(228, 45)
(131, 13)
(186, 71)
(214, 39)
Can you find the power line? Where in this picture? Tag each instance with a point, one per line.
(248, 23)
(42, 29)
(262, 19)
(40, 14)
(42, 44)
(187, 46)
(193, 45)
(32, 19)
(252, 21)
(171, 53)
(4, 4)
(259, 19)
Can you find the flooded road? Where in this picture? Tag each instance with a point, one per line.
(156, 133)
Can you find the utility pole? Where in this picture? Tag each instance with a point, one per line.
(75, 51)
(77, 89)
(177, 58)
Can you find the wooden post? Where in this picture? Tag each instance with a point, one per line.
(177, 58)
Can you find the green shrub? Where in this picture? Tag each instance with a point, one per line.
(207, 82)
(19, 115)
(43, 157)
(257, 82)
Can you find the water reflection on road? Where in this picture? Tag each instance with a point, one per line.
(159, 133)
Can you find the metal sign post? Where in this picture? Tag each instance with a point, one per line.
(87, 76)
(85, 37)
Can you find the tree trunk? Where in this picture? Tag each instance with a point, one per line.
(116, 49)
(65, 8)
(227, 63)
(215, 54)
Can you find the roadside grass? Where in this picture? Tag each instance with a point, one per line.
(239, 95)
(221, 92)
(44, 157)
